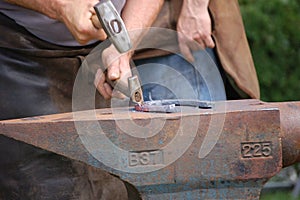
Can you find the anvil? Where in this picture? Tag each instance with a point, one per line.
(227, 152)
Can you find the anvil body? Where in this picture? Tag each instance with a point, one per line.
(226, 152)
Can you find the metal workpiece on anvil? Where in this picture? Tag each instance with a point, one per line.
(227, 152)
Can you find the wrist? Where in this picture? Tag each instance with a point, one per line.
(196, 4)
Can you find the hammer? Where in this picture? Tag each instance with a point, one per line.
(114, 27)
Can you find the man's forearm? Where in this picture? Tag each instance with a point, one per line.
(139, 14)
(194, 7)
(195, 4)
(46, 7)
(194, 25)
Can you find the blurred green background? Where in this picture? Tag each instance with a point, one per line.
(273, 31)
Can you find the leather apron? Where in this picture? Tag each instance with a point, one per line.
(36, 78)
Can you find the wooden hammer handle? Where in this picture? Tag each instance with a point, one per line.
(96, 21)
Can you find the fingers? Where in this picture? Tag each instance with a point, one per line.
(197, 42)
(204, 40)
(94, 29)
(118, 65)
(84, 30)
(99, 35)
(110, 61)
(98, 32)
(103, 88)
(96, 21)
(113, 71)
(83, 33)
(118, 71)
(209, 42)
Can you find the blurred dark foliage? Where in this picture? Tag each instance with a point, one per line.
(273, 31)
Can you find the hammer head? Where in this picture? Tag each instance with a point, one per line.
(113, 25)
(136, 93)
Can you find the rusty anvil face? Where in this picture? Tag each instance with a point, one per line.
(227, 152)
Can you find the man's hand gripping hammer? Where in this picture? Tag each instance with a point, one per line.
(114, 27)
